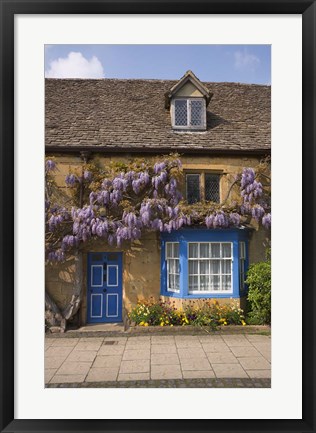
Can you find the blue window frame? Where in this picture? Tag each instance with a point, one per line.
(203, 263)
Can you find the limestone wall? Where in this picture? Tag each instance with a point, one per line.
(141, 260)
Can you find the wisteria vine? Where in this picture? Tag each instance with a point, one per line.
(120, 204)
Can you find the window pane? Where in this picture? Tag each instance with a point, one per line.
(226, 250)
(215, 282)
(205, 250)
(172, 267)
(177, 282)
(204, 283)
(193, 267)
(171, 281)
(193, 283)
(180, 116)
(169, 250)
(193, 251)
(216, 250)
(193, 188)
(226, 266)
(197, 112)
(242, 248)
(176, 250)
(215, 267)
(226, 282)
(212, 187)
(177, 266)
(204, 267)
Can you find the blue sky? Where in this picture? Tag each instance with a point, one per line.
(237, 63)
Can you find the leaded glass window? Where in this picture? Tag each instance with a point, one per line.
(193, 188)
(210, 267)
(202, 186)
(181, 112)
(189, 113)
(173, 266)
(212, 187)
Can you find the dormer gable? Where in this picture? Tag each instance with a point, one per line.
(187, 101)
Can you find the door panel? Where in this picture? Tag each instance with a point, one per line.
(112, 280)
(104, 288)
(97, 276)
(96, 305)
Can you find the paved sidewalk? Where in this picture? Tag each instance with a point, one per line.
(160, 360)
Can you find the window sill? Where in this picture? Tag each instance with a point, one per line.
(200, 296)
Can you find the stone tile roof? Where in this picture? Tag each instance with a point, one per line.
(113, 113)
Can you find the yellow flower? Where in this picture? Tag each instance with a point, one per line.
(243, 323)
(141, 324)
(161, 323)
(225, 323)
(146, 324)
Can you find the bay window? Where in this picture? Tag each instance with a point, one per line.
(204, 263)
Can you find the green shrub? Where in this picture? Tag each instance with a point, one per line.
(259, 294)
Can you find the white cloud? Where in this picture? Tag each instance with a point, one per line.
(246, 61)
(75, 65)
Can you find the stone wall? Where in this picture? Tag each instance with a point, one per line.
(141, 260)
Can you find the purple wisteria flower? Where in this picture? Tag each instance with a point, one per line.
(50, 165)
(71, 179)
(266, 220)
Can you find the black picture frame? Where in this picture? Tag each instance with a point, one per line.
(8, 9)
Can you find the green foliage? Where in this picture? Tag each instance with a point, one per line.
(209, 314)
(259, 294)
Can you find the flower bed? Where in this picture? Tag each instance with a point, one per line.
(210, 314)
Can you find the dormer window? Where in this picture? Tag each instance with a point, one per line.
(188, 113)
(187, 101)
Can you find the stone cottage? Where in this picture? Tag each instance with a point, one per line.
(217, 128)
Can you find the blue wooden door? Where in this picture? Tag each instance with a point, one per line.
(104, 287)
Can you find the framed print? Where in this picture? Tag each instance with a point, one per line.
(107, 138)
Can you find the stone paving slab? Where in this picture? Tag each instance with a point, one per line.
(153, 358)
(133, 376)
(66, 342)
(111, 350)
(165, 359)
(54, 361)
(130, 355)
(102, 374)
(191, 352)
(244, 351)
(222, 358)
(81, 355)
(68, 378)
(107, 361)
(195, 364)
(254, 363)
(166, 372)
(163, 348)
(49, 373)
(138, 366)
(74, 368)
(229, 370)
(196, 374)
